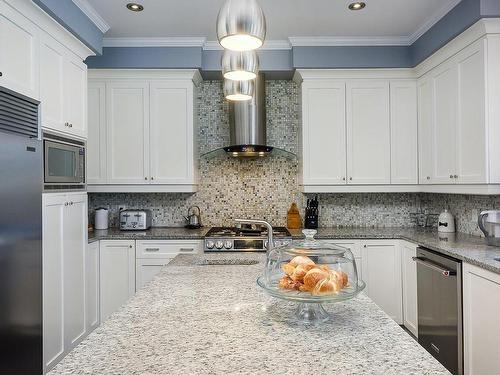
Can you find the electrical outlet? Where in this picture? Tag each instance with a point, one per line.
(474, 214)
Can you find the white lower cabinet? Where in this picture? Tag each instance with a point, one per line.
(152, 255)
(117, 275)
(409, 277)
(64, 273)
(355, 247)
(382, 274)
(481, 304)
(92, 285)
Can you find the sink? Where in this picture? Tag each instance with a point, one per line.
(227, 262)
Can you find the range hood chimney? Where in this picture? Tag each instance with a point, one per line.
(247, 122)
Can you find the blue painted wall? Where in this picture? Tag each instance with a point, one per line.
(74, 20)
(147, 58)
(490, 8)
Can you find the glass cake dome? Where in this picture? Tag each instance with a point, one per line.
(311, 272)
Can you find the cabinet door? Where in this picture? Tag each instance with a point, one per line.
(425, 121)
(323, 133)
(53, 312)
(75, 96)
(96, 143)
(127, 113)
(171, 133)
(444, 123)
(19, 59)
(116, 275)
(368, 132)
(92, 285)
(471, 125)
(382, 274)
(409, 277)
(75, 244)
(52, 83)
(481, 300)
(146, 269)
(404, 132)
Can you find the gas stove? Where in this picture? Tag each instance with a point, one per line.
(243, 239)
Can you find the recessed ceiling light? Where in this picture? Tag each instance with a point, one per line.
(358, 5)
(134, 7)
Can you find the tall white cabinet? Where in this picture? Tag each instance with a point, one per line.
(142, 131)
(64, 273)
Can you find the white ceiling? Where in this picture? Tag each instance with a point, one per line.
(381, 22)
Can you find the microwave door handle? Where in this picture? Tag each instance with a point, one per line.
(424, 262)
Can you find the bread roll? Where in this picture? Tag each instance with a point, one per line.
(314, 276)
(301, 260)
(325, 287)
(300, 271)
(288, 268)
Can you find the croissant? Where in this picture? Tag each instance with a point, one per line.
(325, 287)
(313, 277)
(300, 271)
(288, 268)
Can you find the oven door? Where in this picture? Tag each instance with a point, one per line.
(63, 163)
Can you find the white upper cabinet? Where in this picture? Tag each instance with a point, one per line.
(404, 164)
(425, 121)
(471, 161)
(127, 114)
(368, 132)
(75, 96)
(323, 133)
(19, 52)
(96, 144)
(172, 139)
(142, 132)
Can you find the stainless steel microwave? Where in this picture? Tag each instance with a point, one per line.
(64, 163)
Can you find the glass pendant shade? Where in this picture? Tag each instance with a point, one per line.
(240, 66)
(238, 90)
(241, 25)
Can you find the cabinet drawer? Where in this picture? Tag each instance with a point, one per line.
(166, 249)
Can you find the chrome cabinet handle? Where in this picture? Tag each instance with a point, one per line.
(66, 203)
(433, 266)
(428, 177)
(1, 74)
(151, 249)
(145, 178)
(186, 250)
(343, 178)
(350, 178)
(152, 178)
(455, 176)
(451, 176)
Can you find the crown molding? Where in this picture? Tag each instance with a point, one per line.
(92, 14)
(335, 41)
(154, 42)
(433, 20)
(213, 45)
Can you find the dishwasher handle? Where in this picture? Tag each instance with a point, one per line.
(424, 262)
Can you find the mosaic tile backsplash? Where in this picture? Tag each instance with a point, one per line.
(265, 188)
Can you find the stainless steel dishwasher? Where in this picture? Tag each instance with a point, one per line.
(439, 289)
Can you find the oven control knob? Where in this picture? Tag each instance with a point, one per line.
(219, 245)
(210, 244)
(228, 244)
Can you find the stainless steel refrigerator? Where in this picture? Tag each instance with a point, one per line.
(20, 235)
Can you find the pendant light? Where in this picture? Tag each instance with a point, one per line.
(241, 25)
(240, 66)
(238, 91)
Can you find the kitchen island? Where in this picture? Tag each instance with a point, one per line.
(213, 319)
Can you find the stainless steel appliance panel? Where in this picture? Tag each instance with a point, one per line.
(20, 255)
(439, 288)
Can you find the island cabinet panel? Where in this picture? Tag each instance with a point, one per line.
(481, 304)
(152, 255)
(64, 218)
(409, 279)
(324, 133)
(382, 274)
(117, 275)
(368, 132)
(19, 38)
(92, 285)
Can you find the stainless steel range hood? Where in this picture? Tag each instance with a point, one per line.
(247, 121)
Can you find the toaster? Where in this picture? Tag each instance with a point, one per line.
(135, 219)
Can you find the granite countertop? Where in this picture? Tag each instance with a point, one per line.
(470, 249)
(156, 233)
(193, 319)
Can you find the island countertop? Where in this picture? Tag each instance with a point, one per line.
(195, 319)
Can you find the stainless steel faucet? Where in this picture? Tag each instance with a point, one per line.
(270, 239)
